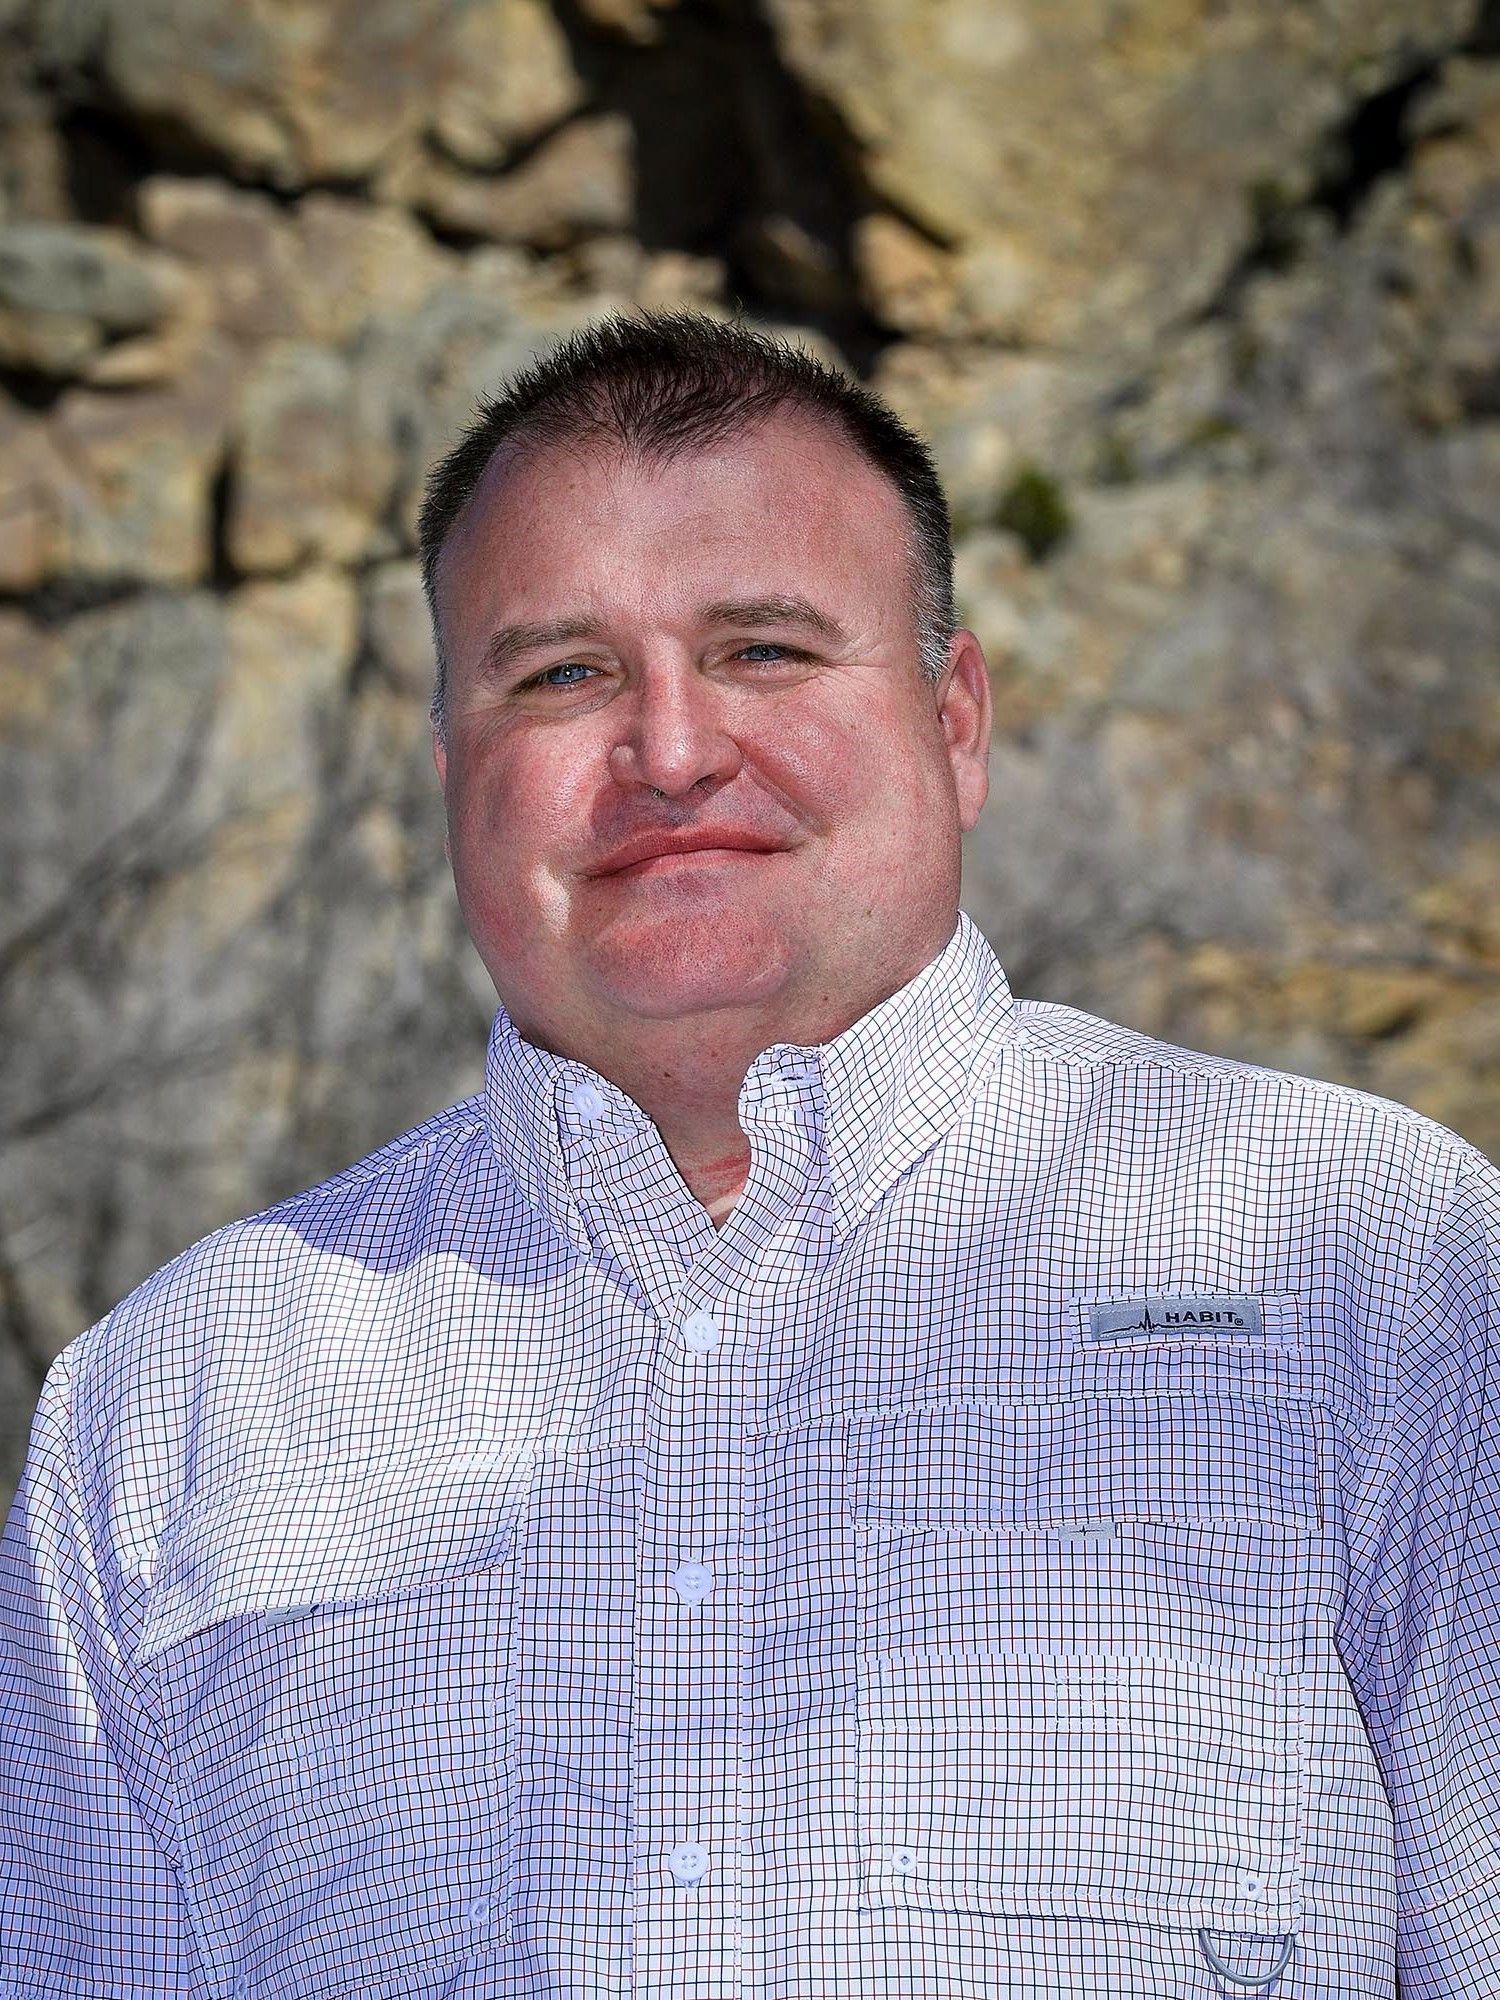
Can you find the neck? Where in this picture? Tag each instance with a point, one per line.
(686, 1077)
(686, 1070)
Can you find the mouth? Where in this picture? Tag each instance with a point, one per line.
(701, 856)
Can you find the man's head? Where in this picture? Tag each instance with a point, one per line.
(658, 384)
(690, 585)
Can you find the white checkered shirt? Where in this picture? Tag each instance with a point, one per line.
(1047, 1543)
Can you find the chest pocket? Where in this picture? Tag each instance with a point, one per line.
(333, 1650)
(1080, 1668)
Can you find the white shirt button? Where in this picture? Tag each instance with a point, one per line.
(692, 1582)
(588, 1102)
(688, 1860)
(1253, 1888)
(901, 1861)
(700, 1332)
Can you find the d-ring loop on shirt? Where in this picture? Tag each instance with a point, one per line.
(1255, 1982)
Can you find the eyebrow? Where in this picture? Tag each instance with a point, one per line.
(511, 642)
(778, 609)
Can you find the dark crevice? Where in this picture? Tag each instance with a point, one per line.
(105, 160)
(53, 603)
(1373, 141)
(223, 575)
(31, 389)
(448, 237)
(735, 160)
(110, 148)
(520, 154)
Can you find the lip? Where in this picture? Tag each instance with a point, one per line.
(711, 854)
(637, 854)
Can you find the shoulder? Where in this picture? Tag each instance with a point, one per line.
(1305, 1129)
(217, 1339)
(389, 1199)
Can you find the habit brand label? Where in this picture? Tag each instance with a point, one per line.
(1184, 1316)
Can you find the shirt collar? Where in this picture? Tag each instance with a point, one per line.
(871, 1101)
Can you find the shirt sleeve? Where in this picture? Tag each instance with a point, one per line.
(90, 1904)
(1421, 1633)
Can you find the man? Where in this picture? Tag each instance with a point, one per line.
(822, 1480)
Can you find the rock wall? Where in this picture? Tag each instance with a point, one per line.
(1199, 302)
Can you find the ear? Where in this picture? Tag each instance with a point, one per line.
(966, 711)
(440, 762)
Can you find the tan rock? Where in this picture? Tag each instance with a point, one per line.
(66, 290)
(46, 343)
(397, 629)
(290, 648)
(243, 241)
(357, 264)
(135, 473)
(637, 21)
(293, 90)
(673, 278)
(32, 481)
(612, 267)
(905, 280)
(1375, 1001)
(312, 469)
(298, 91)
(33, 163)
(290, 651)
(985, 413)
(324, 269)
(1038, 140)
(29, 662)
(508, 77)
(579, 183)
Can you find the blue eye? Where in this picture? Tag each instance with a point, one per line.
(765, 646)
(563, 667)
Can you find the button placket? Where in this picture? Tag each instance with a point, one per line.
(686, 1808)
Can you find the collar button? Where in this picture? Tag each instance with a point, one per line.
(587, 1102)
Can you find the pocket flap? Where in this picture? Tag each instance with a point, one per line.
(339, 1533)
(1203, 1457)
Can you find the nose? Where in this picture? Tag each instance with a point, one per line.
(675, 732)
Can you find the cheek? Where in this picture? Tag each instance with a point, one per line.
(817, 760)
(513, 825)
(862, 766)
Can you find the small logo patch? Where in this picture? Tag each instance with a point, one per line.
(1184, 1316)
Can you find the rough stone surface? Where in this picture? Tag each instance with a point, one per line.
(313, 468)
(1199, 307)
(578, 183)
(134, 475)
(66, 291)
(1039, 138)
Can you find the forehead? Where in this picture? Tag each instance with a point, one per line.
(786, 492)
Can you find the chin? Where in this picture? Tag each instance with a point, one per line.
(687, 968)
